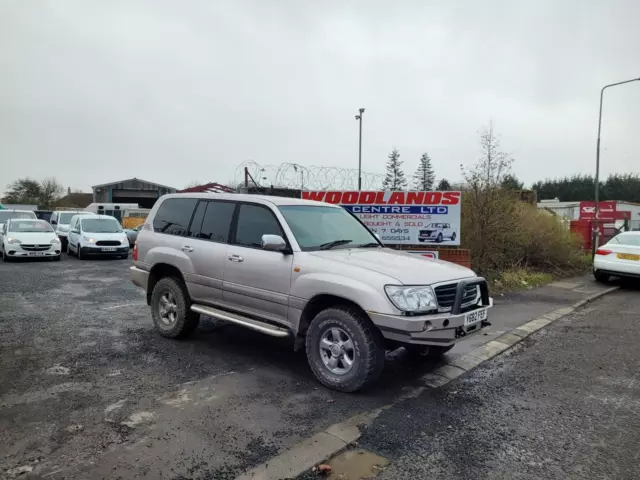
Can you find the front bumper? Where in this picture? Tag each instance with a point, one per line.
(445, 329)
(14, 251)
(121, 250)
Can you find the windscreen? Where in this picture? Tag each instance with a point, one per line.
(7, 214)
(101, 225)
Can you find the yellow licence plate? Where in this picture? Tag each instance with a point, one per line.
(628, 256)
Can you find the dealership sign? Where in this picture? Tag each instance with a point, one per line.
(606, 210)
(407, 218)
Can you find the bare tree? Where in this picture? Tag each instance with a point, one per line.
(50, 191)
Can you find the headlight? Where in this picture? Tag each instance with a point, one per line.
(55, 240)
(88, 239)
(412, 299)
(13, 240)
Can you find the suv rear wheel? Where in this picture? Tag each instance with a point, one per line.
(344, 350)
(170, 309)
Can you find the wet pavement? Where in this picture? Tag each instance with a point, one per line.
(563, 404)
(88, 390)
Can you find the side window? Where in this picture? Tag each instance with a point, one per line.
(174, 215)
(196, 223)
(253, 222)
(216, 225)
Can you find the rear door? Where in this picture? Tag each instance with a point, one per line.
(208, 241)
(256, 280)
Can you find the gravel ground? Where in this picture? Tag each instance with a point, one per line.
(563, 404)
(88, 390)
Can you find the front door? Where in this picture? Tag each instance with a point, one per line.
(72, 237)
(256, 280)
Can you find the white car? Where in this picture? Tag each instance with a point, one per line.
(60, 220)
(620, 257)
(437, 232)
(22, 238)
(96, 235)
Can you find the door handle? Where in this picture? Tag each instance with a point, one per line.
(235, 258)
(187, 248)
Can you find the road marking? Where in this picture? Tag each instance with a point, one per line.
(122, 306)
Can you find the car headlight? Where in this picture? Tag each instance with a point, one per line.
(13, 240)
(89, 239)
(412, 299)
(55, 241)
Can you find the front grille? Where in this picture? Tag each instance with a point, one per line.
(108, 243)
(35, 248)
(446, 294)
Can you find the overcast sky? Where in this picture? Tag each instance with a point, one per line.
(172, 92)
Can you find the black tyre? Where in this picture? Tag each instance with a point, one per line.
(170, 311)
(344, 349)
(79, 252)
(421, 240)
(601, 277)
(5, 257)
(426, 352)
(439, 239)
(453, 237)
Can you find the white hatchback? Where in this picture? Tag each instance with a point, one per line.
(22, 238)
(620, 257)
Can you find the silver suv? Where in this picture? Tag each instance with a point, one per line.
(306, 270)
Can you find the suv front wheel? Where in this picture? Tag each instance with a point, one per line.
(170, 309)
(344, 350)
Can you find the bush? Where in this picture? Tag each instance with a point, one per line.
(506, 234)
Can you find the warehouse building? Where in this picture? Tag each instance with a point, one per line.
(133, 190)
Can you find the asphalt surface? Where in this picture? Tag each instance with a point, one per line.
(564, 404)
(89, 390)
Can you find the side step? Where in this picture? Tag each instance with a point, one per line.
(247, 322)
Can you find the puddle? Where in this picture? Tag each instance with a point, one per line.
(355, 465)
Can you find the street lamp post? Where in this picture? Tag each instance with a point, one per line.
(594, 242)
(359, 118)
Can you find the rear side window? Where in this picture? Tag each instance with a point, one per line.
(174, 215)
(212, 221)
(253, 222)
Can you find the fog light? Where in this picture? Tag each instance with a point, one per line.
(428, 326)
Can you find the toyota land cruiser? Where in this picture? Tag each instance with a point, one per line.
(306, 270)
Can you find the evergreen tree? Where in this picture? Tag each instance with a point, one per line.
(511, 182)
(443, 185)
(424, 177)
(394, 179)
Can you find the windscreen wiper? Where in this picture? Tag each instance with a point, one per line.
(335, 243)
(369, 245)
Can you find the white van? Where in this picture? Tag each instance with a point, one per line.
(91, 234)
(60, 220)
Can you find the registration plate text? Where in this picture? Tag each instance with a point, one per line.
(628, 256)
(475, 316)
(112, 249)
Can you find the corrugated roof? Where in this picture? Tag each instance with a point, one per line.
(133, 179)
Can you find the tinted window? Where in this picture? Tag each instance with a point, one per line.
(174, 215)
(196, 223)
(253, 222)
(217, 221)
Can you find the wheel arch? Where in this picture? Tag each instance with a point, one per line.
(160, 271)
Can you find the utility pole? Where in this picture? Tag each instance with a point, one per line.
(359, 118)
(596, 230)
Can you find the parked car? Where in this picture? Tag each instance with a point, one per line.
(96, 235)
(7, 214)
(26, 237)
(437, 232)
(619, 257)
(132, 234)
(305, 270)
(60, 220)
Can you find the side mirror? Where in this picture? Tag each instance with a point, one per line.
(53, 222)
(75, 231)
(273, 243)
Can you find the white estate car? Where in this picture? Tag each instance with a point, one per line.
(620, 257)
(96, 235)
(26, 237)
